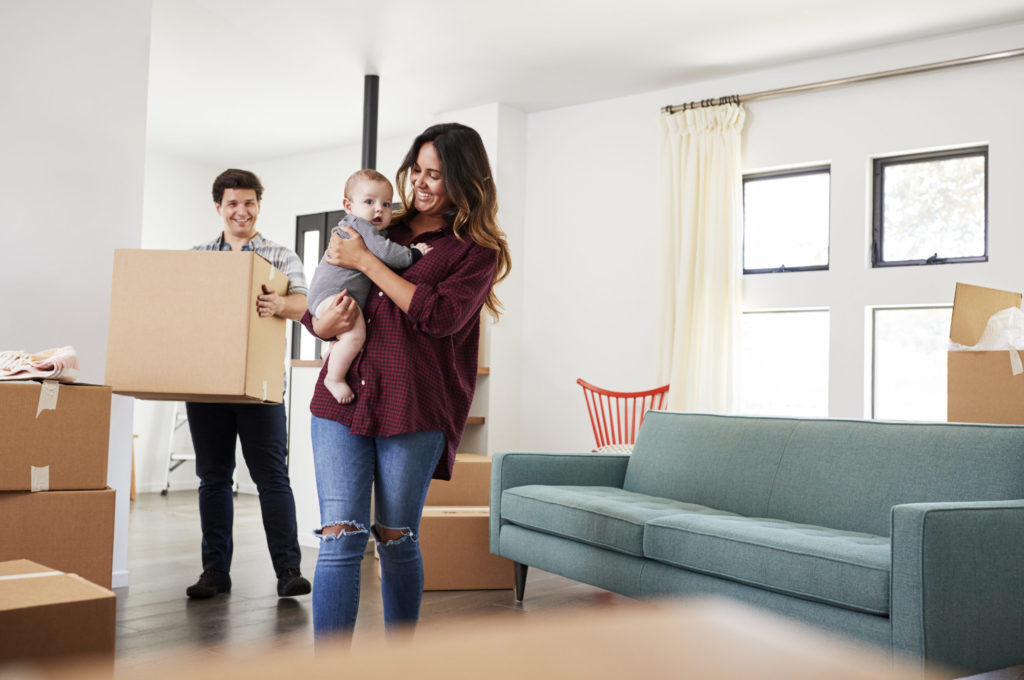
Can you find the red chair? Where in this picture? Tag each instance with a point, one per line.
(616, 416)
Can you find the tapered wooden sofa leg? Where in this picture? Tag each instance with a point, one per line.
(520, 580)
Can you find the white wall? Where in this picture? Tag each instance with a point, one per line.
(582, 218)
(591, 209)
(73, 146)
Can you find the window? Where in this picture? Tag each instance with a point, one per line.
(786, 220)
(931, 208)
(909, 363)
(312, 232)
(784, 363)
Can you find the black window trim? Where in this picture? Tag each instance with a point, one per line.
(320, 223)
(878, 201)
(825, 168)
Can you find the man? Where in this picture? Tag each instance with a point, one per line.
(260, 427)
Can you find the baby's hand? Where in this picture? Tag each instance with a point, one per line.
(422, 247)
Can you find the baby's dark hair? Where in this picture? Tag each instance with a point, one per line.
(366, 175)
(233, 178)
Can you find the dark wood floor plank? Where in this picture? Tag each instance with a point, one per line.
(155, 621)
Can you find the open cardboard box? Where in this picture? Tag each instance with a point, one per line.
(54, 436)
(47, 615)
(981, 387)
(184, 327)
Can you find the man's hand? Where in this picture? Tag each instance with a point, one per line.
(338, 318)
(270, 303)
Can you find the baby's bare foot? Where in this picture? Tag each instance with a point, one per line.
(340, 390)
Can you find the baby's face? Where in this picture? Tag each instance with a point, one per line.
(371, 200)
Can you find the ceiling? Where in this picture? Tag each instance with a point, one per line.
(235, 81)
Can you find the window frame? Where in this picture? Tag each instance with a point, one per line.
(825, 168)
(814, 309)
(873, 368)
(321, 223)
(879, 164)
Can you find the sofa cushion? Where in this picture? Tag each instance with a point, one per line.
(602, 516)
(842, 568)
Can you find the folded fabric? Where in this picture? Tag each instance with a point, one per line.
(59, 363)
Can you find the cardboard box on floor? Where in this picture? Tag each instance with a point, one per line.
(981, 387)
(53, 436)
(70, 531)
(184, 327)
(48, 615)
(456, 551)
(470, 483)
(454, 531)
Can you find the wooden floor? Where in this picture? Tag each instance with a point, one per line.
(155, 621)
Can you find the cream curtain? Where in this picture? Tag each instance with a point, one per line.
(701, 188)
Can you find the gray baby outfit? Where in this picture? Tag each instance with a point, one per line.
(329, 279)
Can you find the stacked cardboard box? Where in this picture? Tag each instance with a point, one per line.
(55, 507)
(981, 385)
(184, 327)
(454, 531)
(48, 615)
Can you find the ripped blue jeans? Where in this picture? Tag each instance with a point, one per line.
(398, 469)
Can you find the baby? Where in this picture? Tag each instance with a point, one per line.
(368, 203)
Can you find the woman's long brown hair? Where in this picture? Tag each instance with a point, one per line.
(467, 177)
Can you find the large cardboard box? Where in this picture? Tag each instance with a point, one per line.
(53, 436)
(184, 327)
(47, 615)
(455, 545)
(70, 531)
(981, 386)
(470, 483)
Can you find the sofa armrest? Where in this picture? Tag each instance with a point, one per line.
(512, 468)
(958, 583)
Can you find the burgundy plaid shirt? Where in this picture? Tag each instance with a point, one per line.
(417, 371)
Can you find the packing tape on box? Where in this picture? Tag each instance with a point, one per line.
(35, 574)
(271, 273)
(47, 396)
(264, 390)
(40, 478)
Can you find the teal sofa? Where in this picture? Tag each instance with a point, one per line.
(905, 535)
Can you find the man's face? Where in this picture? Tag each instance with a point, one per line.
(239, 210)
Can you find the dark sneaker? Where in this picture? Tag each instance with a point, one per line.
(209, 584)
(291, 583)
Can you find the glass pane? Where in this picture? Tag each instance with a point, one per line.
(311, 253)
(934, 208)
(785, 221)
(910, 363)
(784, 363)
(310, 259)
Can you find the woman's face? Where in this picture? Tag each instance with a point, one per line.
(429, 195)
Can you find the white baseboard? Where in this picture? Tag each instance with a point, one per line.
(120, 579)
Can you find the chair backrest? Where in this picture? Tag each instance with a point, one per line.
(616, 416)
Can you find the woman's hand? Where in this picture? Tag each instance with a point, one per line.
(350, 252)
(338, 318)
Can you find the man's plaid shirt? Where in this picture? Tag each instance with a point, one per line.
(282, 258)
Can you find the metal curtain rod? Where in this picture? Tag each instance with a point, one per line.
(764, 94)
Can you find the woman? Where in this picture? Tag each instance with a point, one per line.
(414, 380)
